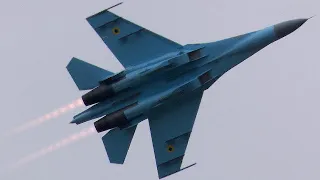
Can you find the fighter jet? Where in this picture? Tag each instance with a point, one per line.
(162, 81)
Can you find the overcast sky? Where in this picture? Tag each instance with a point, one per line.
(260, 121)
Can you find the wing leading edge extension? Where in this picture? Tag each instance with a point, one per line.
(131, 44)
(171, 125)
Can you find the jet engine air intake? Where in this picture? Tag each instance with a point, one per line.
(113, 120)
(98, 94)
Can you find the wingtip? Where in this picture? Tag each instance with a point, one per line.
(114, 6)
(103, 11)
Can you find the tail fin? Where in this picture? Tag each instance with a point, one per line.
(85, 75)
(117, 143)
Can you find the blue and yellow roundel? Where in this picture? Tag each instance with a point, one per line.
(116, 30)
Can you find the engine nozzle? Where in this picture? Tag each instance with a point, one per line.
(115, 119)
(98, 94)
(110, 121)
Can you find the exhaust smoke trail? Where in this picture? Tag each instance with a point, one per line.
(47, 117)
(54, 147)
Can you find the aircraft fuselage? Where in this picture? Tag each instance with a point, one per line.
(125, 101)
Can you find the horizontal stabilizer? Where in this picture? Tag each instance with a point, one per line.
(85, 75)
(117, 143)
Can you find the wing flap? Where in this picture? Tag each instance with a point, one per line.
(130, 43)
(171, 125)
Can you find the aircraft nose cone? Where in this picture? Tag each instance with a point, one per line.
(287, 27)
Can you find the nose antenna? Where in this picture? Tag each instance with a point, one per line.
(311, 17)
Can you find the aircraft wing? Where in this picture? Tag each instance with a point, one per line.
(171, 125)
(130, 43)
